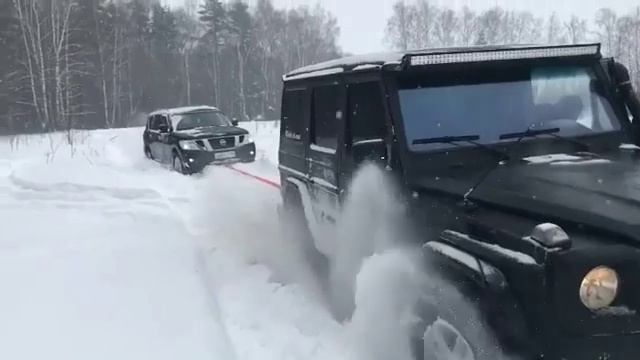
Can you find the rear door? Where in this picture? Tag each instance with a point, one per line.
(325, 139)
(293, 132)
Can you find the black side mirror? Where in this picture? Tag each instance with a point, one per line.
(235, 122)
(369, 150)
(164, 128)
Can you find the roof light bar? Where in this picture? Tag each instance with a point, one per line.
(510, 54)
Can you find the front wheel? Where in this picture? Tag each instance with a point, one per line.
(452, 327)
(443, 341)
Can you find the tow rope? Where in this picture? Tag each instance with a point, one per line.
(255, 177)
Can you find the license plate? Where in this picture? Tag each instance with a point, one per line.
(225, 155)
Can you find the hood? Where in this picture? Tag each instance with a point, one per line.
(210, 131)
(582, 189)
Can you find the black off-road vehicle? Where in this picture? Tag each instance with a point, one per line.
(190, 138)
(521, 167)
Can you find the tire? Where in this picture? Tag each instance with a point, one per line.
(177, 165)
(451, 328)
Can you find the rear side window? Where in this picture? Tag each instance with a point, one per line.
(326, 115)
(366, 112)
(293, 114)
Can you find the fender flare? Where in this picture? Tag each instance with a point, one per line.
(505, 314)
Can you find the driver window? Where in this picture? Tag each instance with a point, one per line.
(161, 121)
(366, 112)
(152, 123)
(366, 126)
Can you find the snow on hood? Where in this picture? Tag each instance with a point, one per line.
(211, 131)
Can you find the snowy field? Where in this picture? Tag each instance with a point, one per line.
(105, 254)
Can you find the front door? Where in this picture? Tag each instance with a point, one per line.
(153, 137)
(164, 153)
(327, 114)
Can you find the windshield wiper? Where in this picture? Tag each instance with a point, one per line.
(553, 132)
(453, 140)
(529, 133)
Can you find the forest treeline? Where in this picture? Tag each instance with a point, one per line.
(420, 24)
(105, 63)
(101, 63)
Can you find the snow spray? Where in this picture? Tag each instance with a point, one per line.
(379, 274)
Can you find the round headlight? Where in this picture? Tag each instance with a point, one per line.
(599, 288)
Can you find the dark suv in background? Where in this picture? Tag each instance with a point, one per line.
(520, 167)
(190, 138)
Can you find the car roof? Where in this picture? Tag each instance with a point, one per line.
(375, 61)
(183, 110)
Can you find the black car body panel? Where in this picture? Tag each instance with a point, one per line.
(581, 189)
(210, 143)
(477, 204)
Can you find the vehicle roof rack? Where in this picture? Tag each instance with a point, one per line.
(437, 56)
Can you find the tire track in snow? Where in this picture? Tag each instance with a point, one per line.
(78, 195)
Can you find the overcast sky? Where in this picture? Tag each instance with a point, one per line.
(362, 22)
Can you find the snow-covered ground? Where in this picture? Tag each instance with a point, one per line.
(105, 254)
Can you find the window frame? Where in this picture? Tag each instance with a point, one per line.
(348, 129)
(340, 91)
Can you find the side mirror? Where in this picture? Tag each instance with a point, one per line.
(164, 128)
(369, 150)
(235, 122)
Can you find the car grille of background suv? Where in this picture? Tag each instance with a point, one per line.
(222, 143)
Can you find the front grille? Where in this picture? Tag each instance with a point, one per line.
(222, 143)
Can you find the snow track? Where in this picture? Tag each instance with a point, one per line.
(107, 255)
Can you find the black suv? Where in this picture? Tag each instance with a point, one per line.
(191, 138)
(520, 165)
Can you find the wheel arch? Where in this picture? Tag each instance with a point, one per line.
(498, 307)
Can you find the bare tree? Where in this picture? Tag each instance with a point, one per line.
(576, 29)
(398, 26)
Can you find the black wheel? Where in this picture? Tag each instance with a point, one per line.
(451, 328)
(177, 164)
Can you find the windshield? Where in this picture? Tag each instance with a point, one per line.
(199, 120)
(494, 102)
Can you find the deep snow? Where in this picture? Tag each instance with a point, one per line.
(105, 254)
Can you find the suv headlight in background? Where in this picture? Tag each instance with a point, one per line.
(189, 145)
(599, 288)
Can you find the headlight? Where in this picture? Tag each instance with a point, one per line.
(248, 139)
(599, 288)
(189, 145)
